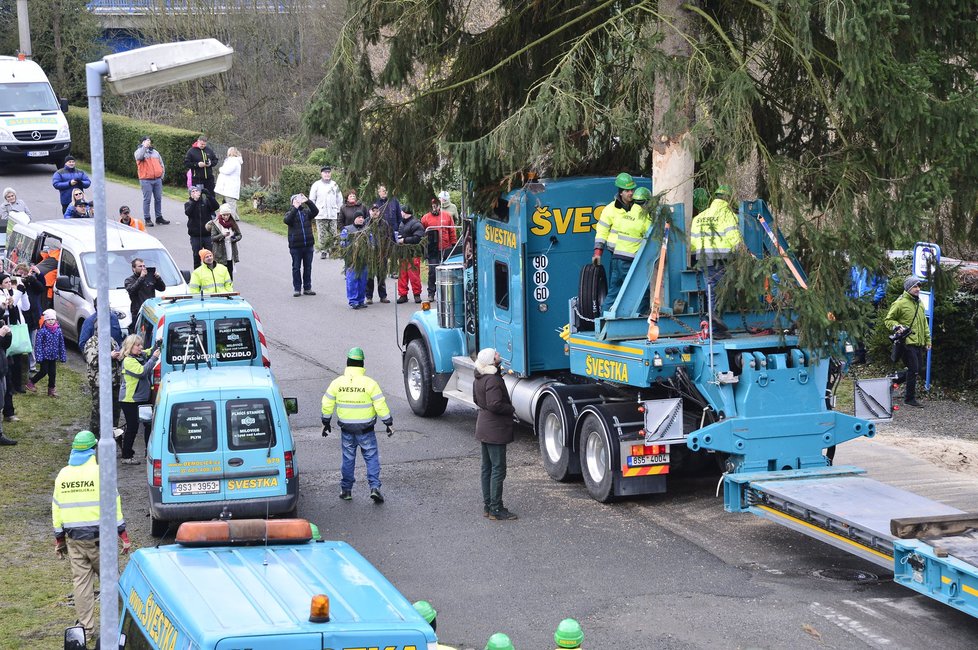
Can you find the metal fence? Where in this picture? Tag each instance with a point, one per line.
(269, 168)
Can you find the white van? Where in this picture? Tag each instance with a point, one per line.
(72, 241)
(33, 128)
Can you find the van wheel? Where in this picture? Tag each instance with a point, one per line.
(591, 290)
(596, 458)
(424, 400)
(158, 527)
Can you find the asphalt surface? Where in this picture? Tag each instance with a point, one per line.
(670, 571)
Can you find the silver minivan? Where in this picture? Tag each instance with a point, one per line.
(73, 242)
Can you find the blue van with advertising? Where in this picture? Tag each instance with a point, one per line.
(221, 445)
(210, 330)
(260, 585)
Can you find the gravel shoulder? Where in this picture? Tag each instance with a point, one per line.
(944, 433)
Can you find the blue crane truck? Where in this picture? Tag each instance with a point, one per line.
(622, 408)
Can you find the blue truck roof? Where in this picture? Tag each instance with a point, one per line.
(214, 593)
(217, 378)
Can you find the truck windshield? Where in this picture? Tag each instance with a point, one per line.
(34, 96)
(120, 266)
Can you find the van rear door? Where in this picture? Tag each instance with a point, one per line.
(192, 465)
(254, 461)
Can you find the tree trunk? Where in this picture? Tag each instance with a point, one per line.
(672, 159)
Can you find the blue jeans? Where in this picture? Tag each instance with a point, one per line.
(302, 260)
(493, 475)
(714, 273)
(152, 190)
(367, 442)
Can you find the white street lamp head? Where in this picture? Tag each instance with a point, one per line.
(167, 63)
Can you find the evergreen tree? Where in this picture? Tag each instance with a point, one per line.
(862, 115)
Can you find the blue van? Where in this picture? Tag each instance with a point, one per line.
(215, 330)
(221, 445)
(261, 585)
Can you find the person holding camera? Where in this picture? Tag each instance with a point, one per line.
(910, 334)
(201, 160)
(225, 235)
(301, 242)
(199, 210)
(68, 179)
(141, 285)
(150, 169)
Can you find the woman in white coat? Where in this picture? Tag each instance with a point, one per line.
(228, 182)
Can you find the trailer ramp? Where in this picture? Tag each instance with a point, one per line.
(930, 547)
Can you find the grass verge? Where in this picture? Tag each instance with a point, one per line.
(36, 586)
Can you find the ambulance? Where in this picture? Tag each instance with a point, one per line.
(257, 584)
(33, 128)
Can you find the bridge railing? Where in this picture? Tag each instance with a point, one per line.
(143, 7)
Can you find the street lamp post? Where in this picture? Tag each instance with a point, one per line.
(127, 72)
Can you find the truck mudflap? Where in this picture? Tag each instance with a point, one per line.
(931, 547)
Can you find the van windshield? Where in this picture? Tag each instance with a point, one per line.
(33, 96)
(120, 266)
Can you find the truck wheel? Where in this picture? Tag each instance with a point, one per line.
(591, 290)
(424, 400)
(560, 461)
(158, 527)
(596, 459)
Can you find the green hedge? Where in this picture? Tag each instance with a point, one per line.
(121, 137)
(295, 179)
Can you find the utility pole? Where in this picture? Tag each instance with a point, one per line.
(24, 28)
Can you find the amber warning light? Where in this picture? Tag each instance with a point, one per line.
(319, 609)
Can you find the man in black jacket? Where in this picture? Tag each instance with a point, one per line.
(202, 163)
(141, 285)
(301, 242)
(409, 232)
(199, 210)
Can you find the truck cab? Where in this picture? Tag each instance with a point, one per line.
(260, 585)
(609, 401)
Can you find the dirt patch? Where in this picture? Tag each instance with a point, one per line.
(944, 432)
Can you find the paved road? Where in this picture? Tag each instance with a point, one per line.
(671, 571)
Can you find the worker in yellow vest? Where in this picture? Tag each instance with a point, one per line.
(603, 237)
(358, 402)
(714, 236)
(211, 276)
(75, 516)
(628, 233)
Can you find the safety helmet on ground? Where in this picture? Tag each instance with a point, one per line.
(427, 612)
(642, 195)
(355, 353)
(569, 634)
(625, 181)
(499, 641)
(701, 199)
(722, 190)
(84, 440)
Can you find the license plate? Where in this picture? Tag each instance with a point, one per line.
(195, 487)
(644, 461)
(36, 154)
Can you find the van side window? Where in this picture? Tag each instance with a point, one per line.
(144, 329)
(69, 266)
(234, 339)
(20, 248)
(193, 427)
(249, 424)
(135, 637)
(180, 344)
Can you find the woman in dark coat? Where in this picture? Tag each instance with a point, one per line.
(494, 429)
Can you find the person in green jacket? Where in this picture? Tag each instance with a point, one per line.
(906, 312)
(137, 368)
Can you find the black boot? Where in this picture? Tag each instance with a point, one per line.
(5, 441)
